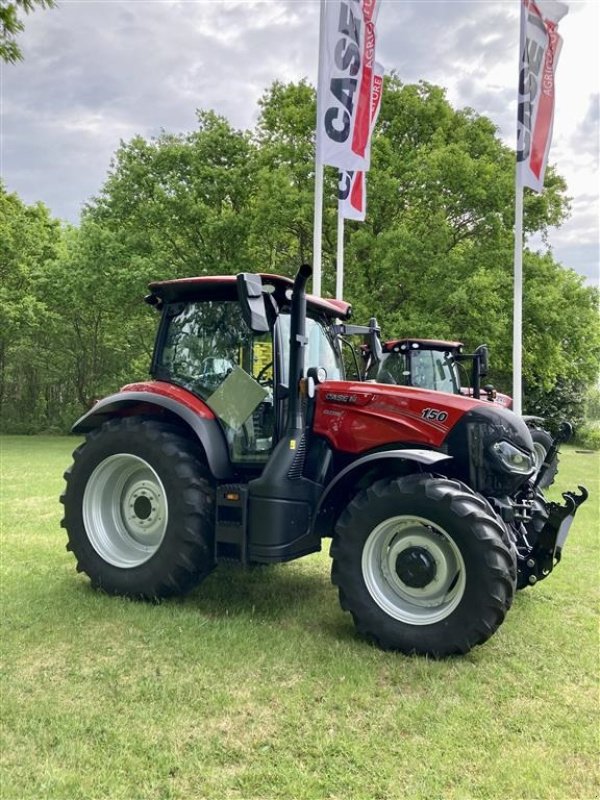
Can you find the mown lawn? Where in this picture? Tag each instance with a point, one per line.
(256, 686)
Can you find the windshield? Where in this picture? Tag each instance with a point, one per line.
(426, 369)
(321, 350)
(432, 369)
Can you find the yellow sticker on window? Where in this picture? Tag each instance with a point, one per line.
(292, 444)
(262, 358)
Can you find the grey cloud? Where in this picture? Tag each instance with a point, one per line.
(443, 36)
(496, 102)
(586, 137)
(582, 257)
(576, 244)
(98, 72)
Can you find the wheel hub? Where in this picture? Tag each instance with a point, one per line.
(142, 508)
(413, 569)
(416, 567)
(125, 510)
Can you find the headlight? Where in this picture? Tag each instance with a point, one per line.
(512, 459)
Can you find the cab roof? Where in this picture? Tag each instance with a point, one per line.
(395, 345)
(224, 287)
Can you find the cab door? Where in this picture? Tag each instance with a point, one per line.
(208, 349)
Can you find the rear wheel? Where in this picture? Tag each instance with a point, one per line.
(541, 444)
(139, 510)
(424, 566)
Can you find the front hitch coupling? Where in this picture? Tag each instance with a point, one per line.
(547, 551)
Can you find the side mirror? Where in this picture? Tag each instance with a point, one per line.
(483, 359)
(375, 341)
(252, 302)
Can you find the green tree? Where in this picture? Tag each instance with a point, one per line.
(104, 329)
(283, 200)
(30, 240)
(11, 25)
(179, 204)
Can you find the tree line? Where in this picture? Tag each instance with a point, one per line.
(433, 259)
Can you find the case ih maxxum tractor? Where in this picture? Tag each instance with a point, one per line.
(437, 364)
(248, 444)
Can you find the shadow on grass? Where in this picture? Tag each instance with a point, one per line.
(299, 592)
(278, 591)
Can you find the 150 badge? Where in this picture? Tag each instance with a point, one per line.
(434, 414)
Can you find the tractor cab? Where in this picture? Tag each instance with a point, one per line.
(227, 341)
(433, 364)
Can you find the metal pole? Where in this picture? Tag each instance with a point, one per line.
(339, 275)
(517, 360)
(518, 302)
(318, 212)
(317, 229)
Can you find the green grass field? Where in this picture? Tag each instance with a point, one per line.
(256, 686)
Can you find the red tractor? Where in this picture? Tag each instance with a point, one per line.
(438, 364)
(248, 444)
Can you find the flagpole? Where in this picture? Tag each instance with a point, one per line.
(339, 273)
(518, 302)
(319, 170)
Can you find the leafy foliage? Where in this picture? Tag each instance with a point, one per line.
(30, 241)
(434, 257)
(11, 24)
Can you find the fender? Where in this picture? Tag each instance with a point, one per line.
(205, 427)
(335, 492)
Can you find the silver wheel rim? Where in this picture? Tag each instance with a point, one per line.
(125, 510)
(539, 455)
(392, 540)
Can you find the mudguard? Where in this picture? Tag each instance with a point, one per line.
(326, 513)
(201, 421)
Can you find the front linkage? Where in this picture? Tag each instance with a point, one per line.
(545, 530)
(537, 561)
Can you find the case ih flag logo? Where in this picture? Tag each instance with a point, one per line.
(346, 82)
(540, 48)
(352, 195)
(352, 192)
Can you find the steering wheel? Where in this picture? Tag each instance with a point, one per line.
(260, 378)
(385, 377)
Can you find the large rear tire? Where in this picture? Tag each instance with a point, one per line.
(424, 565)
(139, 510)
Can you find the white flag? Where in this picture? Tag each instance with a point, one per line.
(346, 72)
(540, 48)
(352, 191)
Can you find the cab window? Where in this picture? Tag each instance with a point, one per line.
(432, 369)
(209, 350)
(321, 349)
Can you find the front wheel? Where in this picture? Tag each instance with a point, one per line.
(424, 565)
(139, 510)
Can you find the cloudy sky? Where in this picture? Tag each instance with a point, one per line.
(99, 71)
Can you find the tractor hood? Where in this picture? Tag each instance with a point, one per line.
(490, 445)
(357, 417)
